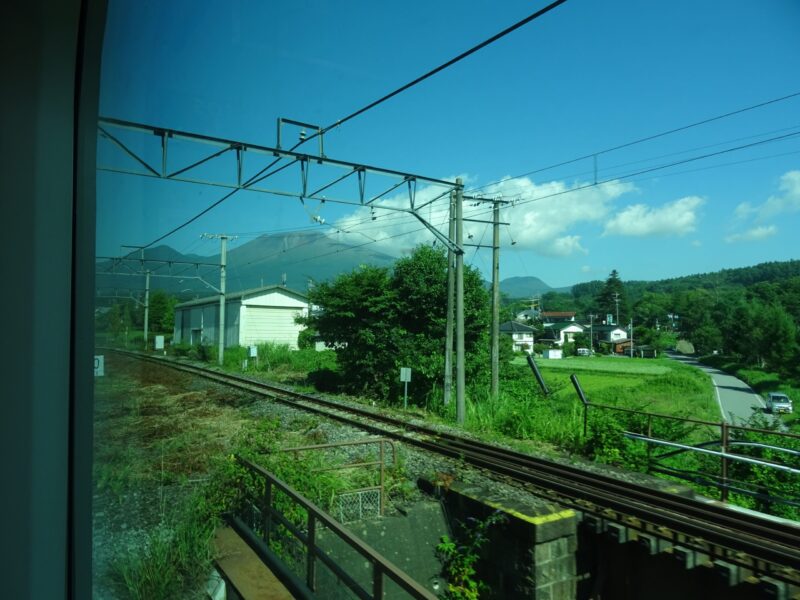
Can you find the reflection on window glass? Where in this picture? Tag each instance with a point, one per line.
(272, 219)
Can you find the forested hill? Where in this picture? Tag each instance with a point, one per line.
(768, 272)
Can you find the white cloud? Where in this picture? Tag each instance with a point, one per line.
(586, 269)
(674, 218)
(744, 210)
(753, 235)
(696, 243)
(542, 216)
(787, 201)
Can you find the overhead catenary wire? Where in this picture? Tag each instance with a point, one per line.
(442, 67)
(643, 139)
(525, 200)
(370, 106)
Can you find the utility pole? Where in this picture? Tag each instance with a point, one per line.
(495, 386)
(591, 332)
(222, 263)
(616, 304)
(451, 284)
(631, 338)
(146, 292)
(146, 305)
(461, 408)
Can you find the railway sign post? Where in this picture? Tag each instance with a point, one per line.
(405, 377)
(253, 352)
(99, 365)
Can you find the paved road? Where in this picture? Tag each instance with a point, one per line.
(737, 401)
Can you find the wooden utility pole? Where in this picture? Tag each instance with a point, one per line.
(495, 386)
(451, 284)
(461, 409)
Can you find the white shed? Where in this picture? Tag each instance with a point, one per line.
(264, 314)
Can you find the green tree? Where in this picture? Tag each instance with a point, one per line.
(357, 316)
(660, 339)
(162, 311)
(119, 319)
(556, 301)
(379, 321)
(652, 309)
(612, 297)
(779, 340)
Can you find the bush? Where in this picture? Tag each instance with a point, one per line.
(325, 380)
(306, 338)
(180, 349)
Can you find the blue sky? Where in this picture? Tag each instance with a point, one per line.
(586, 77)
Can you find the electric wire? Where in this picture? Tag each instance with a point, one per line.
(362, 110)
(525, 200)
(442, 67)
(644, 139)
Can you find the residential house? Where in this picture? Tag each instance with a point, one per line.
(529, 315)
(608, 333)
(522, 335)
(560, 333)
(557, 316)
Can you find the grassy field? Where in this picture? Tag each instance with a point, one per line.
(604, 364)
(654, 385)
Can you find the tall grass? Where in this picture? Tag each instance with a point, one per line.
(174, 560)
(526, 418)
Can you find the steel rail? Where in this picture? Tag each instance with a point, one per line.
(771, 540)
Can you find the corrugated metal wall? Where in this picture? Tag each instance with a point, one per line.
(196, 324)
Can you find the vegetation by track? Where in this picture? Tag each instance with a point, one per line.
(716, 521)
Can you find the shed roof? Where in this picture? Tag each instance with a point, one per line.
(563, 325)
(602, 328)
(242, 294)
(514, 327)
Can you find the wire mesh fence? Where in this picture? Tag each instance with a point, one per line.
(358, 505)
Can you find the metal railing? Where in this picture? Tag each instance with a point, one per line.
(265, 521)
(380, 462)
(725, 441)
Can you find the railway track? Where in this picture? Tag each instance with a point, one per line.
(762, 544)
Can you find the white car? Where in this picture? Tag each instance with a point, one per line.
(778, 403)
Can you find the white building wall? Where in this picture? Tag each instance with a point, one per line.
(268, 317)
(271, 324)
(563, 336)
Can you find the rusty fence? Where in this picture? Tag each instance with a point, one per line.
(312, 554)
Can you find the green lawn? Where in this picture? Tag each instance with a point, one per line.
(609, 364)
(654, 385)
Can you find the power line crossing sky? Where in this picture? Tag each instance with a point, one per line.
(583, 78)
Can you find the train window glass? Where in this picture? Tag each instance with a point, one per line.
(250, 152)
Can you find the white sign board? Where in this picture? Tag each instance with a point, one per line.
(253, 351)
(99, 365)
(405, 374)
(159, 342)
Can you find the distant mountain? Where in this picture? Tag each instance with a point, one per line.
(293, 259)
(525, 287)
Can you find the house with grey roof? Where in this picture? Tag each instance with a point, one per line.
(521, 335)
